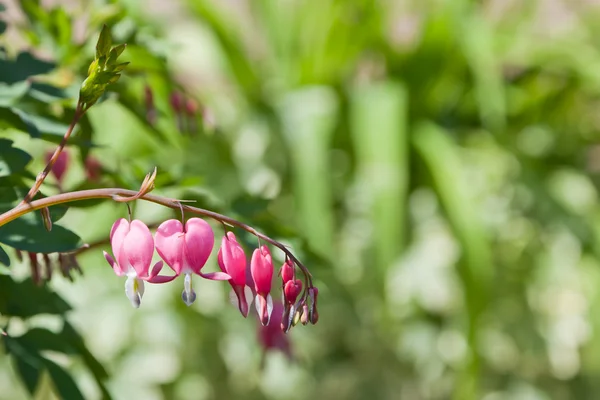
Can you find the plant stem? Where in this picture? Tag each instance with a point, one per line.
(79, 111)
(110, 193)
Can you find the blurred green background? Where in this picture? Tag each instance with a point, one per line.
(434, 163)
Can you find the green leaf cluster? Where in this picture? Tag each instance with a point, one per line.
(103, 71)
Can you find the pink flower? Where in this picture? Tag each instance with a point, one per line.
(133, 247)
(186, 250)
(271, 337)
(232, 261)
(287, 271)
(291, 290)
(60, 166)
(261, 267)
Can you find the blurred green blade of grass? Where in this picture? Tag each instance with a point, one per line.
(475, 269)
(379, 136)
(478, 46)
(231, 43)
(309, 117)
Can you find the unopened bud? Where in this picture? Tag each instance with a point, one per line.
(291, 290)
(304, 316)
(313, 314)
(287, 271)
(46, 218)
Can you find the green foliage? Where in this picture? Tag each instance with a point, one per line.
(103, 71)
(434, 163)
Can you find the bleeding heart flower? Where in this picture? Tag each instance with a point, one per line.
(261, 267)
(186, 250)
(287, 271)
(232, 261)
(291, 290)
(133, 247)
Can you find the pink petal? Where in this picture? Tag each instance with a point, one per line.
(199, 241)
(156, 269)
(139, 247)
(264, 308)
(113, 264)
(243, 296)
(161, 279)
(215, 276)
(169, 244)
(233, 258)
(117, 235)
(261, 267)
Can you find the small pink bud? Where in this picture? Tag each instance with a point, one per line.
(287, 271)
(261, 267)
(291, 290)
(313, 313)
(60, 166)
(176, 100)
(304, 316)
(191, 108)
(93, 169)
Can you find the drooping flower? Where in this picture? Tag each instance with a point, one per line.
(232, 261)
(291, 290)
(287, 271)
(186, 249)
(133, 247)
(261, 267)
(271, 337)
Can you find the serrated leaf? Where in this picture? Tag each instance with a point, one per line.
(104, 42)
(4, 258)
(63, 382)
(26, 299)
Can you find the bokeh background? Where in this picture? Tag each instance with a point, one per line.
(435, 164)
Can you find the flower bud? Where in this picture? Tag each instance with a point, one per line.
(291, 290)
(287, 271)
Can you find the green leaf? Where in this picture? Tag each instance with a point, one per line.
(379, 134)
(70, 334)
(23, 67)
(46, 93)
(63, 382)
(11, 93)
(27, 361)
(14, 118)
(26, 299)
(28, 233)
(43, 339)
(30, 374)
(4, 258)
(12, 160)
(104, 42)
